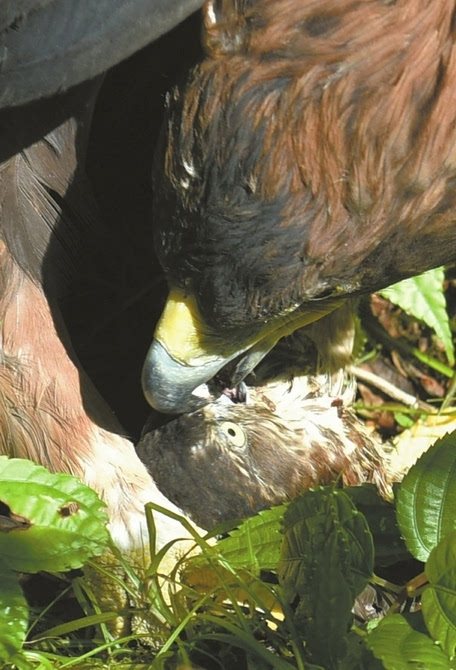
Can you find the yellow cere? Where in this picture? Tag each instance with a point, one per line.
(179, 331)
(183, 334)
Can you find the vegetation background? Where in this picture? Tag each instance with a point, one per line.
(335, 579)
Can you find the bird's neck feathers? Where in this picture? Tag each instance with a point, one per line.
(330, 440)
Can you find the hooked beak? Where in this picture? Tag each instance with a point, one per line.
(185, 354)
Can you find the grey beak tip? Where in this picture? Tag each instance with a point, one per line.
(172, 387)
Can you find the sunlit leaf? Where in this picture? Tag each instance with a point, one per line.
(439, 599)
(400, 647)
(252, 547)
(414, 441)
(426, 499)
(50, 521)
(423, 297)
(255, 545)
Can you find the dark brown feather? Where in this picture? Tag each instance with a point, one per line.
(312, 153)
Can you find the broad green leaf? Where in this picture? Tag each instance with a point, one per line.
(381, 518)
(324, 612)
(399, 647)
(13, 614)
(324, 617)
(423, 297)
(439, 598)
(57, 522)
(327, 558)
(426, 498)
(318, 520)
(255, 545)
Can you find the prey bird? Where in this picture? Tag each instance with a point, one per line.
(287, 431)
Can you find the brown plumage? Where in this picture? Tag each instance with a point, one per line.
(343, 111)
(310, 157)
(51, 232)
(236, 456)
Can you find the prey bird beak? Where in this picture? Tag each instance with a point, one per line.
(186, 354)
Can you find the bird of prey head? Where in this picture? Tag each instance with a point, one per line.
(310, 157)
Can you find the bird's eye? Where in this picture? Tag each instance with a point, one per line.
(236, 435)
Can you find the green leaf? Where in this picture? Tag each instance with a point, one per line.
(381, 518)
(13, 614)
(426, 498)
(318, 519)
(325, 614)
(439, 598)
(54, 522)
(327, 558)
(399, 647)
(423, 297)
(255, 545)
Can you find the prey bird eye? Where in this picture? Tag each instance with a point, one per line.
(236, 435)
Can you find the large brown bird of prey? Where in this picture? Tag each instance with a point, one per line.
(310, 157)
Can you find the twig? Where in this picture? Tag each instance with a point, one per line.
(389, 389)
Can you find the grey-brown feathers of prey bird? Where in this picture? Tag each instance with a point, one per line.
(248, 451)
